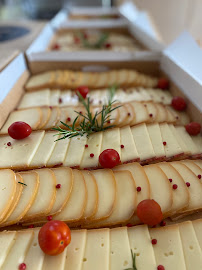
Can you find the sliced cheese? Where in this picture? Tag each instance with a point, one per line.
(151, 110)
(143, 142)
(35, 99)
(54, 262)
(140, 245)
(191, 248)
(161, 190)
(111, 140)
(46, 113)
(35, 256)
(156, 140)
(162, 115)
(198, 163)
(8, 188)
(21, 152)
(74, 208)
(38, 81)
(96, 255)
(120, 252)
(197, 224)
(181, 195)
(32, 117)
(54, 118)
(141, 113)
(93, 145)
(54, 97)
(75, 250)
(192, 166)
(46, 195)
(44, 150)
(7, 239)
(168, 250)
(129, 151)
(19, 250)
(31, 180)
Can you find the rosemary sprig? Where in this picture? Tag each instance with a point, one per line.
(22, 183)
(90, 123)
(96, 45)
(134, 261)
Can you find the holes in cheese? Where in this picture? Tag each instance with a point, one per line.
(33, 99)
(7, 240)
(75, 250)
(191, 248)
(7, 191)
(74, 208)
(140, 243)
(31, 179)
(32, 117)
(161, 190)
(19, 250)
(168, 250)
(35, 256)
(120, 255)
(181, 194)
(45, 197)
(21, 152)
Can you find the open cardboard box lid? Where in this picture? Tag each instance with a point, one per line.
(163, 21)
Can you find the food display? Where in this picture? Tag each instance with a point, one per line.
(77, 40)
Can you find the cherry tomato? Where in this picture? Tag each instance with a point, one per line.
(178, 103)
(83, 90)
(19, 130)
(56, 47)
(163, 83)
(193, 128)
(54, 237)
(149, 212)
(109, 158)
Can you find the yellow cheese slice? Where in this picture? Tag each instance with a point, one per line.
(154, 95)
(130, 114)
(54, 118)
(198, 142)
(75, 151)
(156, 140)
(46, 113)
(31, 179)
(152, 111)
(192, 166)
(161, 190)
(191, 248)
(106, 184)
(96, 255)
(171, 117)
(18, 192)
(140, 245)
(111, 140)
(30, 116)
(35, 99)
(197, 224)
(19, 250)
(123, 115)
(195, 188)
(45, 197)
(141, 113)
(44, 150)
(35, 256)
(129, 151)
(75, 250)
(168, 250)
(54, 262)
(126, 200)
(182, 118)
(38, 81)
(7, 191)
(198, 163)
(143, 142)
(74, 208)
(164, 96)
(120, 252)
(181, 195)
(172, 147)
(162, 115)
(54, 97)
(7, 239)
(21, 152)
(93, 145)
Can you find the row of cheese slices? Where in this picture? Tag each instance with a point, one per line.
(72, 79)
(178, 247)
(131, 114)
(56, 97)
(99, 198)
(145, 143)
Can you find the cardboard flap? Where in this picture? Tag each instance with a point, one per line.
(17, 67)
(181, 61)
(93, 10)
(59, 18)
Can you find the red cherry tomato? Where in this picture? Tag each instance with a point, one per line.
(193, 128)
(54, 237)
(109, 158)
(19, 130)
(178, 103)
(163, 83)
(56, 47)
(83, 90)
(149, 212)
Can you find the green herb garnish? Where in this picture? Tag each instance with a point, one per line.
(96, 45)
(90, 123)
(22, 183)
(134, 261)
